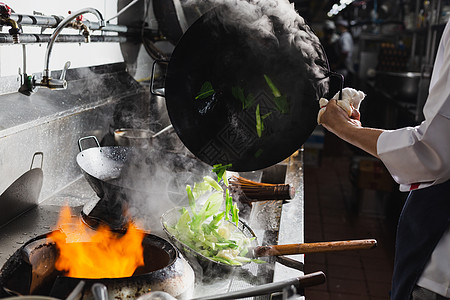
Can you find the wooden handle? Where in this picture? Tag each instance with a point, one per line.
(275, 250)
(311, 279)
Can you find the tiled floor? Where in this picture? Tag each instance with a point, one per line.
(362, 274)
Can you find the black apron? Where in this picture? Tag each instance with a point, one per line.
(424, 219)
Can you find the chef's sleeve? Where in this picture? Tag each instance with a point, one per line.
(421, 154)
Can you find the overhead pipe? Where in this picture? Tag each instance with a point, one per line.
(5, 20)
(59, 28)
(6, 38)
(47, 81)
(53, 21)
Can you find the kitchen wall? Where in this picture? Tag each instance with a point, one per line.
(79, 54)
(51, 122)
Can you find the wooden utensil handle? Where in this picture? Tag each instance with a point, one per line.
(275, 250)
(311, 279)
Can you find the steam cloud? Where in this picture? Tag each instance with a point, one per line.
(256, 16)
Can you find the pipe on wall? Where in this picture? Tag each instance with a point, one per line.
(53, 21)
(6, 38)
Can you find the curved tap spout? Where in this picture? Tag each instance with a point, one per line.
(59, 28)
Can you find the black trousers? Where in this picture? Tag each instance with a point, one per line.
(420, 293)
(424, 219)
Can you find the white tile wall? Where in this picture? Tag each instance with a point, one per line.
(80, 55)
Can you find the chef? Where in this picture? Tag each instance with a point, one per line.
(418, 158)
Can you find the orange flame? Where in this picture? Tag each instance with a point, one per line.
(101, 254)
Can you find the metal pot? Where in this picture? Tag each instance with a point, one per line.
(164, 140)
(31, 271)
(402, 86)
(133, 137)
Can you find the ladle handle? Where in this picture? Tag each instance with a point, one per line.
(164, 130)
(288, 249)
(298, 282)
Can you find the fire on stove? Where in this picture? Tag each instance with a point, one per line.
(99, 254)
(129, 263)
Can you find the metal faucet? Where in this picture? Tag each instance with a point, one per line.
(5, 19)
(61, 83)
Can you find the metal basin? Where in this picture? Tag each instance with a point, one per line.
(402, 86)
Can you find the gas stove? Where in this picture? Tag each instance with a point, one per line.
(283, 227)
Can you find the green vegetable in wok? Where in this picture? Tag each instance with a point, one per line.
(206, 230)
(280, 101)
(259, 121)
(205, 91)
(238, 93)
(219, 169)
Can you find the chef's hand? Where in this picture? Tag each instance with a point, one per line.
(336, 120)
(349, 101)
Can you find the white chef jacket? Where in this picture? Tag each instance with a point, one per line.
(419, 156)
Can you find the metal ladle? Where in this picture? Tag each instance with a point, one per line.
(296, 283)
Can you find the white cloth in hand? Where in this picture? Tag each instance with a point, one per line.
(351, 99)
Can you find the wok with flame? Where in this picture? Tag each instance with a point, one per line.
(129, 263)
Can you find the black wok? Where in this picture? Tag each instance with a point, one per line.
(31, 270)
(23, 193)
(210, 268)
(220, 128)
(131, 174)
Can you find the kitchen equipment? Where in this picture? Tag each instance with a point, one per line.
(76, 292)
(99, 291)
(135, 137)
(235, 97)
(129, 182)
(215, 268)
(30, 298)
(156, 296)
(31, 271)
(23, 193)
(248, 191)
(171, 19)
(401, 86)
(297, 283)
(115, 170)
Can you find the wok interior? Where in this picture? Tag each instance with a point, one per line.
(31, 270)
(218, 129)
(171, 217)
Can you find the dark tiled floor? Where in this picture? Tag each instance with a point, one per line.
(361, 274)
